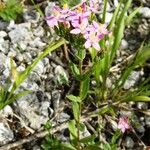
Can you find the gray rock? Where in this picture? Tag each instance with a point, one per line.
(108, 17)
(27, 57)
(39, 68)
(37, 43)
(28, 85)
(44, 108)
(31, 16)
(3, 25)
(61, 75)
(4, 45)
(39, 32)
(6, 135)
(129, 143)
(20, 34)
(147, 121)
(6, 111)
(133, 78)
(3, 34)
(145, 11)
(56, 95)
(142, 105)
(124, 44)
(21, 68)
(63, 117)
(33, 112)
(140, 128)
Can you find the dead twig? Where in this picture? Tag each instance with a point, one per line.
(40, 135)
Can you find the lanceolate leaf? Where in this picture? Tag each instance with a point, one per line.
(76, 110)
(84, 88)
(74, 98)
(141, 98)
(72, 129)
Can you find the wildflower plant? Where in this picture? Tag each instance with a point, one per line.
(97, 44)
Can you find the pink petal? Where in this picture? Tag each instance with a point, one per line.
(96, 46)
(75, 31)
(87, 44)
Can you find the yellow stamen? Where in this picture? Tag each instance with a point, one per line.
(65, 6)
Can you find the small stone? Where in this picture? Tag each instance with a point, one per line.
(22, 45)
(39, 31)
(31, 16)
(147, 121)
(145, 11)
(124, 44)
(56, 99)
(39, 68)
(142, 105)
(61, 75)
(63, 117)
(3, 34)
(129, 143)
(37, 43)
(44, 108)
(4, 45)
(6, 135)
(133, 78)
(6, 111)
(3, 25)
(21, 68)
(140, 128)
(108, 17)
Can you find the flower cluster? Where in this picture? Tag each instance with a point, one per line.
(123, 124)
(77, 20)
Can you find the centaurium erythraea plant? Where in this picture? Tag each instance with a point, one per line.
(77, 20)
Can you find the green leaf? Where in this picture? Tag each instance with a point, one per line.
(76, 110)
(93, 147)
(67, 146)
(89, 139)
(115, 137)
(74, 98)
(104, 11)
(119, 29)
(75, 70)
(81, 53)
(93, 53)
(142, 55)
(17, 96)
(140, 98)
(132, 15)
(72, 129)
(14, 72)
(115, 14)
(81, 127)
(84, 88)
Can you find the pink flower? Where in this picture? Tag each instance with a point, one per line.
(123, 124)
(93, 34)
(92, 38)
(58, 15)
(79, 23)
(55, 17)
(95, 5)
